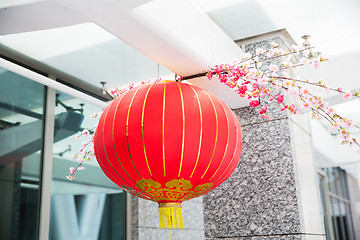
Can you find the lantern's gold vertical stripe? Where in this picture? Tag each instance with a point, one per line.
(201, 130)
(127, 129)
(216, 136)
(142, 128)
(163, 130)
(232, 159)
(183, 133)
(103, 133)
(227, 141)
(113, 138)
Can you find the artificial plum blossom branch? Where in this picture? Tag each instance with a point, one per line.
(250, 82)
(86, 152)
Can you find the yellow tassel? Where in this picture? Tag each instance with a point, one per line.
(170, 215)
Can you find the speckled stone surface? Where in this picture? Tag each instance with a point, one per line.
(280, 237)
(277, 237)
(260, 197)
(146, 221)
(251, 48)
(135, 218)
(284, 237)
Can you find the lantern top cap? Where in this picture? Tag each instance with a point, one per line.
(165, 81)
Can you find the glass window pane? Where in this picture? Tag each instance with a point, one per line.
(331, 179)
(21, 141)
(324, 206)
(334, 218)
(91, 206)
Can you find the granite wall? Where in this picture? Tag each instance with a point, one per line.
(273, 192)
(146, 221)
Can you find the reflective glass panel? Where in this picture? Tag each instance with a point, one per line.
(90, 206)
(21, 142)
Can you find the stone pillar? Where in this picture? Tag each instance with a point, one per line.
(273, 192)
(146, 221)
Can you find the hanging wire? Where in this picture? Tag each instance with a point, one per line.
(158, 71)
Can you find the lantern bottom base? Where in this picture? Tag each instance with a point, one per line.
(170, 215)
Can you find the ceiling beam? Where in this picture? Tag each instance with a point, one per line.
(37, 16)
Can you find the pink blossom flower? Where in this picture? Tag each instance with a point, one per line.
(335, 126)
(279, 98)
(246, 56)
(305, 91)
(315, 116)
(222, 78)
(288, 84)
(330, 111)
(304, 60)
(292, 109)
(85, 132)
(72, 170)
(291, 91)
(80, 168)
(267, 117)
(259, 51)
(70, 177)
(209, 75)
(306, 105)
(254, 103)
(295, 48)
(273, 68)
(277, 84)
(241, 89)
(263, 109)
(262, 81)
(349, 123)
(271, 52)
(274, 44)
(347, 95)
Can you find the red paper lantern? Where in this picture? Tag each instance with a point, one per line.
(168, 142)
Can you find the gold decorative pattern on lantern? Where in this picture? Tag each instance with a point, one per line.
(198, 191)
(135, 192)
(176, 190)
(151, 188)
